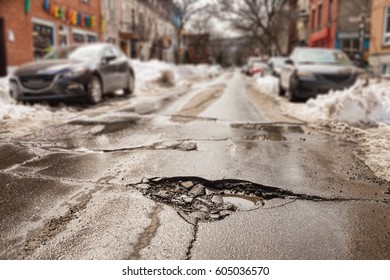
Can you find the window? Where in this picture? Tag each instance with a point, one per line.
(386, 30)
(319, 23)
(43, 37)
(350, 46)
(330, 13)
(80, 36)
(313, 20)
(385, 69)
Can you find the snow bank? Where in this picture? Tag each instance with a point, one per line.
(268, 84)
(4, 89)
(355, 106)
(152, 71)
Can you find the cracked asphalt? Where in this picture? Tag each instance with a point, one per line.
(212, 171)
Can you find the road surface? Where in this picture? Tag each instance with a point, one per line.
(212, 171)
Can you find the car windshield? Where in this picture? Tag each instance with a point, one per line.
(278, 61)
(260, 65)
(321, 56)
(75, 52)
(255, 60)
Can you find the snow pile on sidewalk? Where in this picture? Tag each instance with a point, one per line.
(155, 70)
(4, 89)
(268, 84)
(355, 106)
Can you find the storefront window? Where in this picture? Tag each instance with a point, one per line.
(43, 38)
(80, 37)
(91, 39)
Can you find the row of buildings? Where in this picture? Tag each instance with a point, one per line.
(142, 28)
(358, 27)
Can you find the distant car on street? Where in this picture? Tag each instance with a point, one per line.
(276, 64)
(74, 72)
(312, 71)
(258, 68)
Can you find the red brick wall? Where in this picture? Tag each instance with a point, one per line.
(21, 50)
(328, 42)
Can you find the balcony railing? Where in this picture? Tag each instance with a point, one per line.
(142, 31)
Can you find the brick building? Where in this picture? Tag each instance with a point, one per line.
(380, 37)
(196, 48)
(323, 23)
(33, 27)
(335, 24)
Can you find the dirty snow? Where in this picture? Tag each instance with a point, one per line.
(268, 84)
(364, 110)
(151, 71)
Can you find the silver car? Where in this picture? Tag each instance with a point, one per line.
(312, 71)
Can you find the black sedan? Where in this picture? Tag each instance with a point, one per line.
(74, 72)
(312, 71)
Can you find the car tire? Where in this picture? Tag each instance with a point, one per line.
(130, 85)
(94, 90)
(291, 92)
(282, 92)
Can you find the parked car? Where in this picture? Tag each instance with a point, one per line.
(312, 71)
(258, 68)
(73, 72)
(251, 61)
(276, 64)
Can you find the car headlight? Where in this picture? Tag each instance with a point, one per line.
(305, 74)
(74, 73)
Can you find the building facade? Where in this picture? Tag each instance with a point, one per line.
(34, 27)
(380, 37)
(147, 30)
(110, 21)
(338, 24)
(302, 22)
(197, 48)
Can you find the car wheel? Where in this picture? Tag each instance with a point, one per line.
(94, 91)
(282, 92)
(130, 85)
(291, 92)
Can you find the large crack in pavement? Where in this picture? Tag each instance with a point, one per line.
(148, 234)
(54, 226)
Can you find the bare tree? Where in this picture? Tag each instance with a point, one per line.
(188, 9)
(263, 20)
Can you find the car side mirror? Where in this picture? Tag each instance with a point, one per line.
(107, 59)
(289, 62)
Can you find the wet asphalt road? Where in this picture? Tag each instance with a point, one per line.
(233, 179)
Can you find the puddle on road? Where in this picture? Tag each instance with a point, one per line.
(243, 202)
(109, 123)
(270, 132)
(115, 127)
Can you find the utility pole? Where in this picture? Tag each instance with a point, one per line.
(362, 21)
(362, 31)
(3, 54)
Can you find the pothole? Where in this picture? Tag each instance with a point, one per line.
(198, 199)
